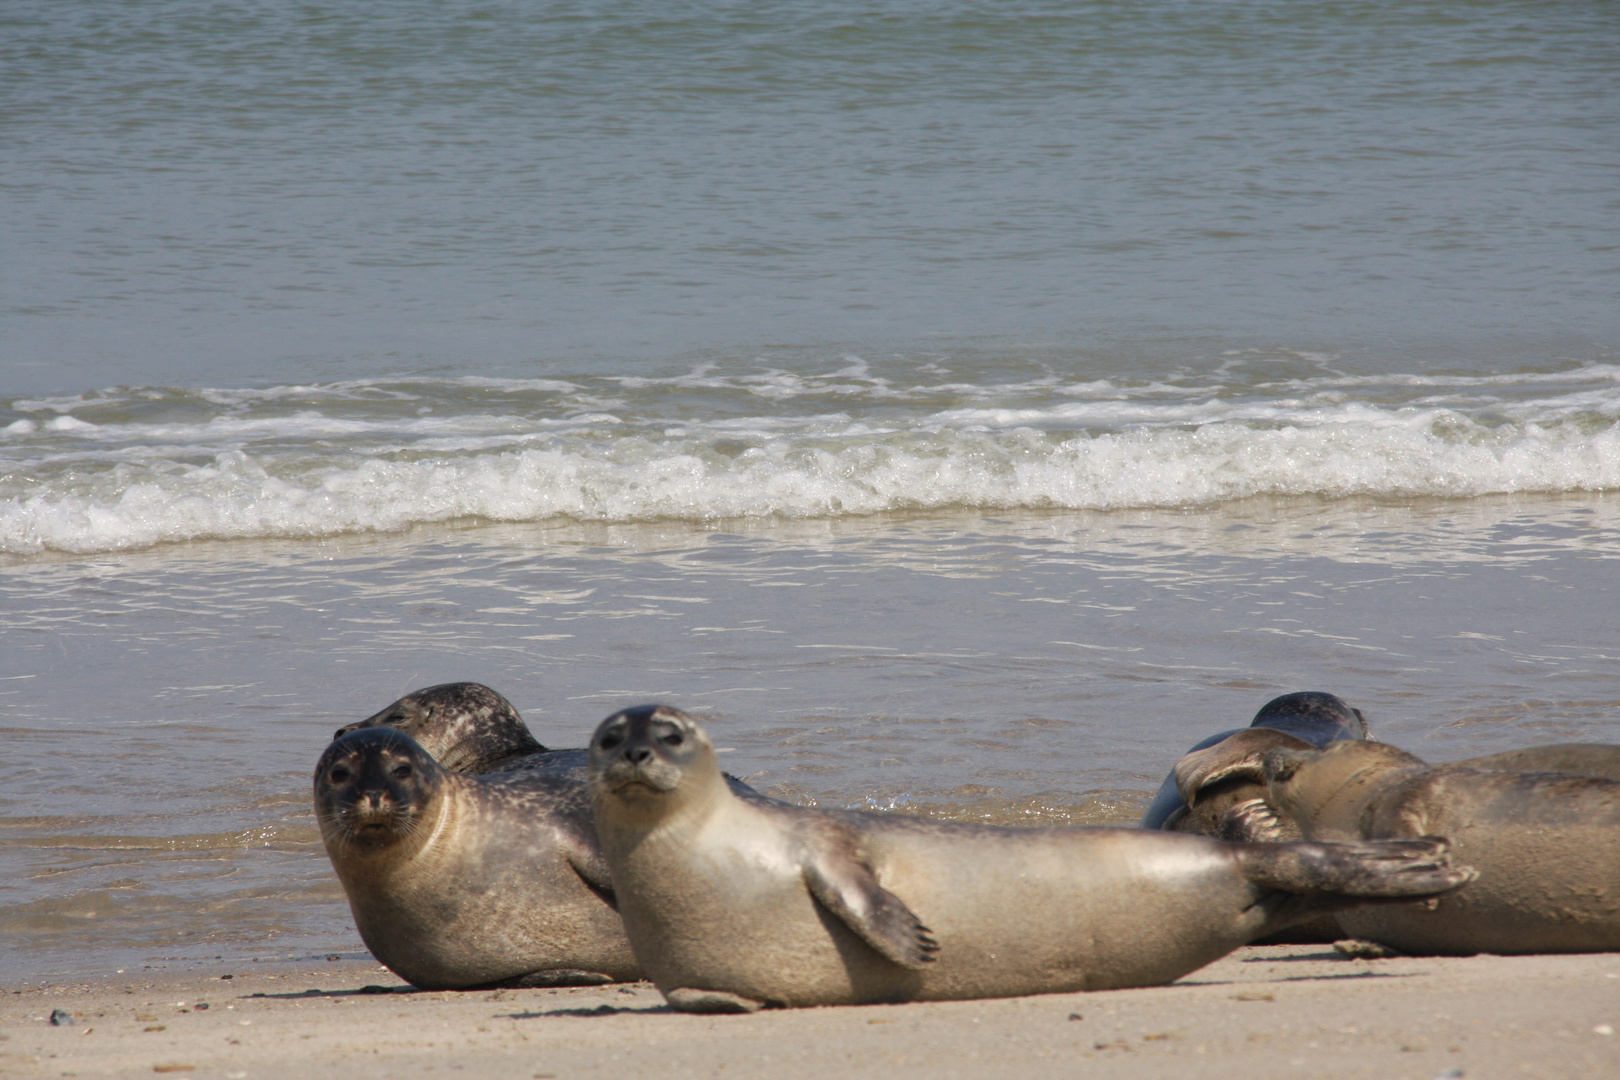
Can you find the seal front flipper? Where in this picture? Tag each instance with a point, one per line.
(843, 883)
(585, 856)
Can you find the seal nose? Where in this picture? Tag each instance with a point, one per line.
(638, 755)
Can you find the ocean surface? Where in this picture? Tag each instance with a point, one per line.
(962, 408)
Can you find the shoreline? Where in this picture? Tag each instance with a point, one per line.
(1264, 1011)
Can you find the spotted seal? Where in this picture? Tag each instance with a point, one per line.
(459, 882)
(1546, 844)
(731, 904)
(469, 728)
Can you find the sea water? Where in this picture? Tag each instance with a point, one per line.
(961, 408)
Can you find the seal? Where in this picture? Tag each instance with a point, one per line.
(1546, 845)
(462, 882)
(469, 728)
(1310, 718)
(731, 904)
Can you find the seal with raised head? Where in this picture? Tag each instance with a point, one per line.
(1302, 720)
(461, 882)
(469, 728)
(731, 904)
(1546, 845)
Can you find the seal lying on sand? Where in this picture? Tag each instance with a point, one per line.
(469, 728)
(1546, 845)
(1298, 721)
(458, 882)
(731, 905)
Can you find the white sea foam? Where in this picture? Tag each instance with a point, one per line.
(140, 468)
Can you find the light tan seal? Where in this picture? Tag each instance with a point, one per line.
(1546, 845)
(731, 904)
(459, 882)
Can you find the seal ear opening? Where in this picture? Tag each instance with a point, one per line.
(1236, 756)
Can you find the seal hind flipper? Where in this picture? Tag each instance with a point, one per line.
(1313, 880)
(1369, 869)
(844, 884)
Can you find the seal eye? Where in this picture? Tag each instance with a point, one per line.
(610, 740)
(340, 775)
(672, 739)
(401, 772)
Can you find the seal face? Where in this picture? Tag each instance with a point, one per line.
(733, 903)
(1546, 844)
(1305, 719)
(457, 881)
(469, 728)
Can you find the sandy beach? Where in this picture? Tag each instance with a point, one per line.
(1279, 1011)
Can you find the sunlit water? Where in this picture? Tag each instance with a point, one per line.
(961, 408)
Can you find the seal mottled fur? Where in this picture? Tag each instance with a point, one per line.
(469, 728)
(460, 881)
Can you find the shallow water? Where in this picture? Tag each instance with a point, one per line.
(163, 709)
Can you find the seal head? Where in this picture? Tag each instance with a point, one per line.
(373, 790)
(465, 726)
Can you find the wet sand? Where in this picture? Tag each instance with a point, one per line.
(1283, 1011)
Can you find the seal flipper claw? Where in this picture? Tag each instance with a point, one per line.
(845, 885)
(1254, 821)
(688, 999)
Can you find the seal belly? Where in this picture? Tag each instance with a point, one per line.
(742, 883)
(1051, 912)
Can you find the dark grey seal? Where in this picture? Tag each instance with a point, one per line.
(459, 882)
(731, 904)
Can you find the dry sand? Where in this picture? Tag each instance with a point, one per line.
(1282, 1011)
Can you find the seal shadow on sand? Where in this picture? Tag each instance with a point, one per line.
(292, 995)
(615, 1010)
(599, 1010)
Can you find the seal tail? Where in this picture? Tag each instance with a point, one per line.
(1305, 879)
